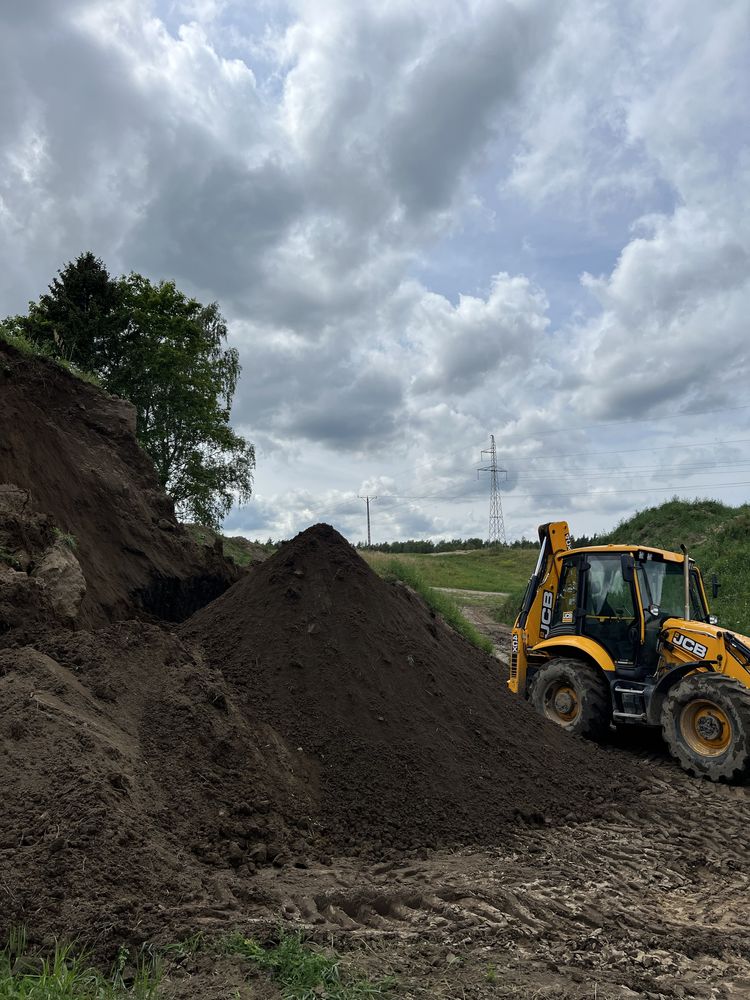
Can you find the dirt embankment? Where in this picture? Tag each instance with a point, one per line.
(73, 450)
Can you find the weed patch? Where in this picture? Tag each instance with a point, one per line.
(31, 350)
(66, 538)
(303, 972)
(67, 975)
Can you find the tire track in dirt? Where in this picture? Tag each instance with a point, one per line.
(654, 901)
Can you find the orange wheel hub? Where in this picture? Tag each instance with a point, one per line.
(706, 727)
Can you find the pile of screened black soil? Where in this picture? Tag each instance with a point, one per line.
(417, 740)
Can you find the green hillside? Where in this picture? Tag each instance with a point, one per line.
(717, 537)
(502, 570)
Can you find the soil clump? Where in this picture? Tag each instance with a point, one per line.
(416, 738)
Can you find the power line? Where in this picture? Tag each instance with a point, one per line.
(611, 423)
(647, 489)
(607, 473)
(593, 454)
(466, 497)
(340, 507)
(638, 420)
(631, 451)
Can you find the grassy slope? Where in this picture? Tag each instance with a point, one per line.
(717, 537)
(503, 570)
(443, 604)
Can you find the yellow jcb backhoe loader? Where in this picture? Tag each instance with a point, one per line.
(622, 634)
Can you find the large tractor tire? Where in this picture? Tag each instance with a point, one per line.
(706, 725)
(575, 695)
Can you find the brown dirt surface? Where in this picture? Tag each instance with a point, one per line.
(73, 449)
(134, 791)
(417, 740)
(647, 903)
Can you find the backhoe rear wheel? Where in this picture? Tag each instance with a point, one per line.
(573, 694)
(706, 725)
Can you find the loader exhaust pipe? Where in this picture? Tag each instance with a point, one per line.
(686, 577)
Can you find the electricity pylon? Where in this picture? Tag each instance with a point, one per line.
(497, 524)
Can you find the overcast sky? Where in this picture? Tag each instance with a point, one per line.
(425, 222)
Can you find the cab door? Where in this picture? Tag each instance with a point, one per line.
(609, 606)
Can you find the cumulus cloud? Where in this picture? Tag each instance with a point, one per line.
(425, 224)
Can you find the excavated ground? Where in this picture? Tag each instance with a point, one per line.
(652, 902)
(313, 749)
(72, 450)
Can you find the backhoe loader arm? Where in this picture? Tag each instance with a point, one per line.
(535, 616)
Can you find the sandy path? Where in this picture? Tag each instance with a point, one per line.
(500, 595)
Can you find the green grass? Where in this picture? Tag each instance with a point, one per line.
(305, 973)
(505, 571)
(299, 970)
(717, 537)
(507, 611)
(31, 350)
(400, 569)
(240, 550)
(500, 570)
(67, 975)
(66, 537)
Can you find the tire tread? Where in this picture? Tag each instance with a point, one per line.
(596, 725)
(740, 695)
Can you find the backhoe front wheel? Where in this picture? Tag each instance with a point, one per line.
(706, 725)
(573, 694)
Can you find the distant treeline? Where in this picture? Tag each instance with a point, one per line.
(444, 545)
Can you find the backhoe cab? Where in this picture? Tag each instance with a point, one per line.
(622, 634)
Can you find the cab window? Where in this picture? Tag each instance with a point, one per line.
(662, 583)
(609, 612)
(607, 594)
(567, 595)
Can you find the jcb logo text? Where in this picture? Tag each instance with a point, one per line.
(547, 602)
(690, 645)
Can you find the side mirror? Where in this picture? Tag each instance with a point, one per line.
(715, 585)
(628, 567)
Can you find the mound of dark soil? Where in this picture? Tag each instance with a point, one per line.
(136, 798)
(417, 739)
(73, 449)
